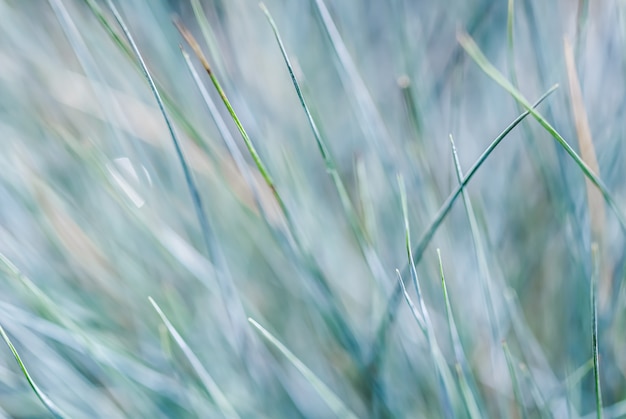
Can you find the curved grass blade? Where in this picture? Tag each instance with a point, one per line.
(418, 250)
(479, 58)
(49, 404)
(214, 391)
(334, 402)
(227, 288)
(463, 368)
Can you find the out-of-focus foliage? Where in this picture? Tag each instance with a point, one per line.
(96, 214)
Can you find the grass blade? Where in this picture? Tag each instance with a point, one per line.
(514, 379)
(212, 388)
(483, 268)
(594, 327)
(49, 404)
(334, 402)
(463, 368)
(189, 38)
(588, 154)
(443, 372)
(473, 51)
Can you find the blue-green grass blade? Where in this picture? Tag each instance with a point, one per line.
(211, 386)
(49, 404)
(331, 399)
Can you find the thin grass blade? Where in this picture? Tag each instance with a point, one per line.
(368, 252)
(595, 203)
(443, 372)
(463, 368)
(515, 380)
(212, 388)
(594, 327)
(333, 401)
(49, 404)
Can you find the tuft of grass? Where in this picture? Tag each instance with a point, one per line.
(135, 166)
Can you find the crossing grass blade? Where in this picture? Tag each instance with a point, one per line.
(47, 402)
(377, 349)
(331, 399)
(479, 58)
(212, 388)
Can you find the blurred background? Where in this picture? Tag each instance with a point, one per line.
(97, 214)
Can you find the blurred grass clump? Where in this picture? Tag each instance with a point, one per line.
(319, 208)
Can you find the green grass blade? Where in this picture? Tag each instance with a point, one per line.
(473, 51)
(229, 141)
(463, 369)
(248, 142)
(594, 327)
(333, 401)
(49, 404)
(514, 380)
(212, 388)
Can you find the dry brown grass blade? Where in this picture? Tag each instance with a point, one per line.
(588, 154)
